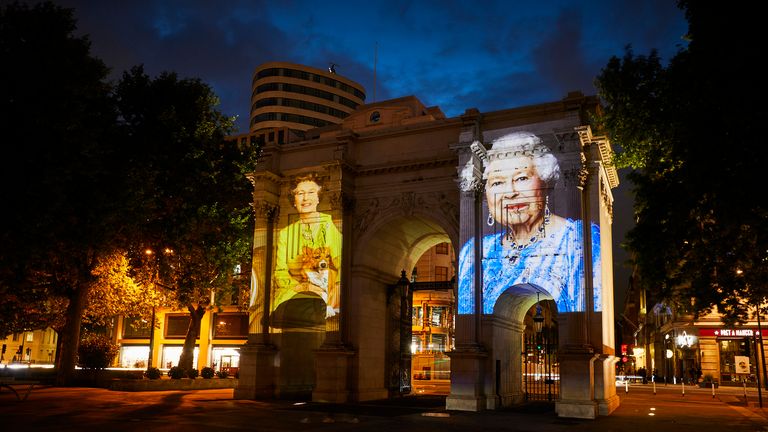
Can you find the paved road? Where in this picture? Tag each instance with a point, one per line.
(78, 409)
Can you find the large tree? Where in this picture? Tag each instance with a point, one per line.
(59, 172)
(691, 129)
(188, 185)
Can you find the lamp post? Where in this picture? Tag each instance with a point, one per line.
(538, 319)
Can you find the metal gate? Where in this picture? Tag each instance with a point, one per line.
(541, 370)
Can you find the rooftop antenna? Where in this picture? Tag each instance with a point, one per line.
(375, 60)
(332, 68)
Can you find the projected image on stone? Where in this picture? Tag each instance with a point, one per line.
(531, 235)
(307, 260)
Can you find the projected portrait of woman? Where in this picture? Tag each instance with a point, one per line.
(528, 243)
(307, 262)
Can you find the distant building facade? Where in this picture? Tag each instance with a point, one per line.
(289, 99)
(669, 345)
(36, 347)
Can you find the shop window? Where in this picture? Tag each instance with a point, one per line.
(229, 326)
(730, 350)
(171, 353)
(176, 326)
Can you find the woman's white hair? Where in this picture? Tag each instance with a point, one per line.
(516, 144)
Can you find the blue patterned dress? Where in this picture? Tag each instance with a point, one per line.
(553, 263)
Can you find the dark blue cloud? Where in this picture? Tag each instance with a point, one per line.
(490, 55)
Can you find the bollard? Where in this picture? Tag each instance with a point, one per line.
(745, 390)
(713, 390)
(626, 386)
(683, 383)
(654, 388)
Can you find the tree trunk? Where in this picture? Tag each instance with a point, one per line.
(193, 331)
(70, 335)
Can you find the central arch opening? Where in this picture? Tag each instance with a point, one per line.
(523, 333)
(416, 329)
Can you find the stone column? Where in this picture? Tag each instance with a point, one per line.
(333, 359)
(257, 356)
(577, 356)
(469, 355)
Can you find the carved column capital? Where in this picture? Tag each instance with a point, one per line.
(342, 200)
(265, 210)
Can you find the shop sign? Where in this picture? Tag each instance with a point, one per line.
(686, 340)
(742, 364)
(728, 332)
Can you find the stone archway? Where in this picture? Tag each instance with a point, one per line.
(391, 245)
(398, 177)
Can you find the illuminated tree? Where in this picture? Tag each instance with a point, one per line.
(188, 186)
(691, 130)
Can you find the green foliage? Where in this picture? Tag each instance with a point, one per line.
(96, 352)
(153, 373)
(691, 130)
(189, 187)
(207, 372)
(99, 170)
(176, 372)
(192, 373)
(222, 374)
(56, 109)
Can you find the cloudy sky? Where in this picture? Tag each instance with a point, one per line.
(489, 55)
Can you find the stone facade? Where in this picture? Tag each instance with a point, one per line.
(396, 179)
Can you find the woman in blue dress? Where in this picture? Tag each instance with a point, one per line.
(530, 245)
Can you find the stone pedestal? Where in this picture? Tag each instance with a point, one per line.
(467, 380)
(257, 372)
(332, 365)
(577, 386)
(605, 384)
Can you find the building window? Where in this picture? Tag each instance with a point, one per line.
(441, 273)
(228, 326)
(438, 315)
(176, 326)
(135, 328)
(30, 337)
(15, 337)
(417, 316)
(441, 249)
(438, 342)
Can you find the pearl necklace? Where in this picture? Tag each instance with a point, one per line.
(516, 248)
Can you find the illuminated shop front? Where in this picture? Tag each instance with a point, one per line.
(730, 355)
(226, 358)
(134, 356)
(171, 353)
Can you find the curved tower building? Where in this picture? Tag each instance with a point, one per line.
(288, 99)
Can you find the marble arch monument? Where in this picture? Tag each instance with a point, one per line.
(523, 195)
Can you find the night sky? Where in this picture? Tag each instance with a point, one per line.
(489, 55)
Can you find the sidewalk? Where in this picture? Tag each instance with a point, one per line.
(76, 409)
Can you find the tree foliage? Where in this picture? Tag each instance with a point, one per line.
(97, 174)
(59, 171)
(116, 291)
(188, 185)
(690, 129)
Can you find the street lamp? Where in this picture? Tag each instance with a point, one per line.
(538, 319)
